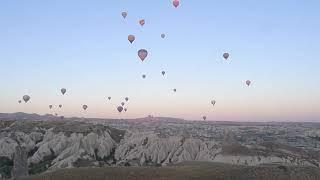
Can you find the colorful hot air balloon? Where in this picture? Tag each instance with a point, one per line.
(109, 98)
(63, 91)
(85, 107)
(142, 22)
(127, 99)
(120, 108)
(213, 102)
(175, 3)
(204, 117)
(122, 104)
(60, 106)
(142, 53)
(131, 38)
(163, 73)
(163, 36)
(50, 106)
(124, 14)
(26, 98)
(144, 76)
(248, 82)
(226, 56)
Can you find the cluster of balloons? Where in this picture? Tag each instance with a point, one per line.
(142, 54)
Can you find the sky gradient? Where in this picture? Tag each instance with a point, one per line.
(82, 45)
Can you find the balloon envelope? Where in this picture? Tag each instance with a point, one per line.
(125, 109)
(120, 108)
(127, 99)
(63, 91)
(131, 38)
(122, 104)
(213, 102)
(176, 3)
(19, 101)
(50, 106)
(248, 82)
(142, 53)
(26, 98)
(175, 90)
(143, 76)
(109, 98)
(85, 107)
(163, 72)
(60, 106)
(163, 36)
(124, 14)
(226, 56)
(204, 117)
(142, 22)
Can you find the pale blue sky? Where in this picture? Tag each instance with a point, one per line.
(82, 45)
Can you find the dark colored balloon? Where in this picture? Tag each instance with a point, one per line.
(248, 82)
(142, 53)
(122, 104)
(127, 99)
(109, 98)
(226, 56)
(19, 101)
(131, 38)
(63, 91)
(26, 98)
(142, 22)
(204, 117)
(125, 109)
(163, 73)
(60, 106)
(85, 107)
(163, 36)
(120, 108)
(176, 3)
(143, 76)
(175, 90)
(50, 106)
(124, 14)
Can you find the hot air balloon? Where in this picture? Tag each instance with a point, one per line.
(204, 117)
(142, 22)
(122, 104)
(125, 109)
(19, 101)
(85, 107)
(124, 14)
(248, 82)
(131, 38)
(176, 3)
(56, 114)
(213, 102)
(127, 99)
(174, 90)
(120, 108)
(163, 73)
(163, 36)
(226, 56)
(63, 91)
(109, 98)
(142, 53)
(60, 106)
(26, 98)
(143, 76)
(50, 106)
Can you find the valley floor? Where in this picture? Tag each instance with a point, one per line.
(186, 170)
